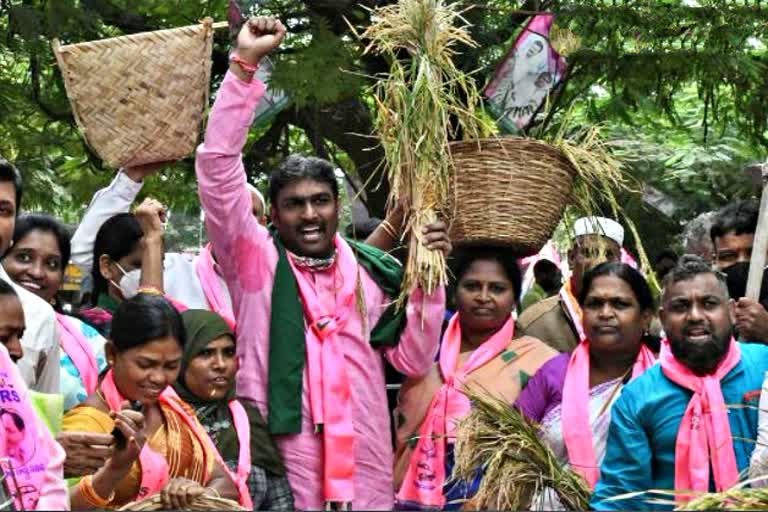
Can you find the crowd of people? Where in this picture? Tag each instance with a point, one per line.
(255, 370)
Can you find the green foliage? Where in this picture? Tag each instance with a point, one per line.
(321, 71)
(679, 88)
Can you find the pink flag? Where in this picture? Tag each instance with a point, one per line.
(526, 75)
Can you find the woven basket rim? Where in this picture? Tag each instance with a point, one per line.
(494, 164)
(139, 37)
(219, 503)
(463, 148)
(120, 151)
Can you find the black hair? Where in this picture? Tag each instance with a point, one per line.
(47, 224)
(144, 318)
(465, 256)
(690, 266)
(7, 289)
(17, 419)
(666, 254)
(117, 237)
(362, 229)
(543, 268)
(739, 217)
(626, 273)
(9, 173)
(297, 167)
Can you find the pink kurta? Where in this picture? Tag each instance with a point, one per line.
(248, 259)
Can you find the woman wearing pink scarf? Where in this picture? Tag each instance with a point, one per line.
(479, 350)
(690, 422)
(161, 449)
(571, 395)
(37, 261)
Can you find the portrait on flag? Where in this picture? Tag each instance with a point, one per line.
(526, 75)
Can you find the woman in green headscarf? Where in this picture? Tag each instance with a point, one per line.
(207, 383)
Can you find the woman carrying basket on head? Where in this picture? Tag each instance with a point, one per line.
(478, 351)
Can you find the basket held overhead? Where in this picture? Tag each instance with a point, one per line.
(508, 191)
(140, 98)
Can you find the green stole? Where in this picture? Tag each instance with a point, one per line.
(287, 345)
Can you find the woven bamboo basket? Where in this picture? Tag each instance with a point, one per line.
(140, 98)
(201, 503)
(508, 191)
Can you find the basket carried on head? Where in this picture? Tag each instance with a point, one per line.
(508, 191)
(140, 98)
(202, 503)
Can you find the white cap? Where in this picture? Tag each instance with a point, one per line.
(608, 228)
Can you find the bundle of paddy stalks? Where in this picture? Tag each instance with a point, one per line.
(739, 498)
(517, 465)
(600, 177)
(423, 102)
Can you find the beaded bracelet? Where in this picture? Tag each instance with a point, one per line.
(245, 66)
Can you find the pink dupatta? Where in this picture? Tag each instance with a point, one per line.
(76, 346)
(154, 467)
(425, 476)
(212, 288)
(697, 447)
(577, 431)
(330, 398)
(240, 475)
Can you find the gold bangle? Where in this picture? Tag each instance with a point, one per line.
(90, 494)
(389, 229)
(150, 290)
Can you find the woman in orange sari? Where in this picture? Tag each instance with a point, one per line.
(161, 448)
(479, 351)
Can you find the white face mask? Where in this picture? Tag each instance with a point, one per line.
(129, 283)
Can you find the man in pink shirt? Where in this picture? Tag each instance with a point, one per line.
(312, 310)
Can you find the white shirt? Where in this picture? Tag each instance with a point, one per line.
(180, 269)
(40, 365)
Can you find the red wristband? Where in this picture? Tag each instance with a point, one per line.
(245, 66)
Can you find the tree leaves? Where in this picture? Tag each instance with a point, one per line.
(646, 71)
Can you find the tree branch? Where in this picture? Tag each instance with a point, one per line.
(267, 144)
(126, 21)
(34, 72)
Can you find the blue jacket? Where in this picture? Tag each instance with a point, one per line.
(645, 419)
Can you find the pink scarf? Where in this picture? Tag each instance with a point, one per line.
(425, 476)
(154, 467)
(78, 349)
(240, 476)
(697, 447)
(330, 398)
(211, 284)
(577, 431)
(31, 459)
